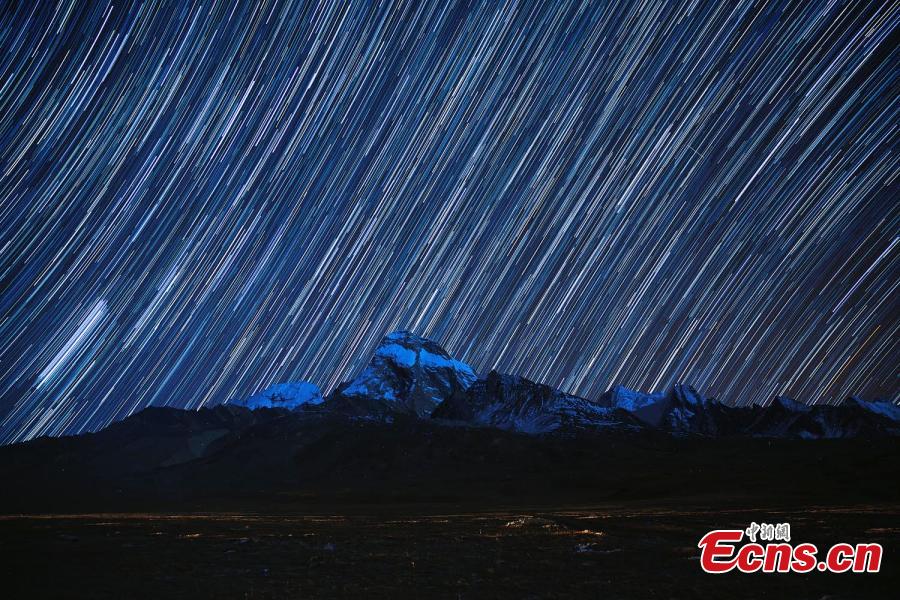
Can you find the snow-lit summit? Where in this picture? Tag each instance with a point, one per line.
(408, 374)
(680, 408)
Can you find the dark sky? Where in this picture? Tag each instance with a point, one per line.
(197, 201)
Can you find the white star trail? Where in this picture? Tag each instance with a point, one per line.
(84, 331)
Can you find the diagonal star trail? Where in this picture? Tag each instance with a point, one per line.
(198, 200)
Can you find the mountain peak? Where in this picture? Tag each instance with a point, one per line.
(405, 348)
(404, 335)
(687, 394)
(677, 409)
(408, 374)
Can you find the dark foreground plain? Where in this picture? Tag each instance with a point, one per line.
(604, 552)
(234, 504)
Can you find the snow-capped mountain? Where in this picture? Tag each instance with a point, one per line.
(680, 409)
(648, 407)
(290, 395)
(411, 375)
(514, 403)
(408, 374)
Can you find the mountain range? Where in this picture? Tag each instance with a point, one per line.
(418, 424)
(413, 376)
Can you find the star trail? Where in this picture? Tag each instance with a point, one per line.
(200, 199)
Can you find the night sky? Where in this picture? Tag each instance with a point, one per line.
(197, 201)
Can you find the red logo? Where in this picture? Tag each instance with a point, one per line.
(721, 552)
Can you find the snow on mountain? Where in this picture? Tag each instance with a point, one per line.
(289, 395)
(411, 375)
(408, 374)
(516, 404)
(681, 408)
(649, 408)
